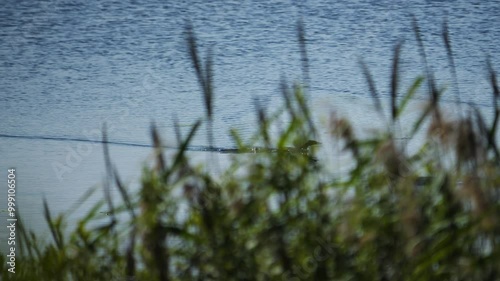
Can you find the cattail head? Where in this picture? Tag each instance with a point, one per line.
(467, 145)
(392, 159)
(341, 128)
(442, 130)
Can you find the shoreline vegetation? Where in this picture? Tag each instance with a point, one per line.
(277, 215)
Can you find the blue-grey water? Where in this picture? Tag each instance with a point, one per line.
(68, 66)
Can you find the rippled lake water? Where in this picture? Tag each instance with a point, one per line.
(68, 66)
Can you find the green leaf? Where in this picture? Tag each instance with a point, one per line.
(409, 94)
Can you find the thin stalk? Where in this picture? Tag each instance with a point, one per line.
(109, 174)
(303, 52)
(372, 88)
(160, 160)
(429, 73)
(449, 52)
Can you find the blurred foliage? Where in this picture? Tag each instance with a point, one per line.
(280, 214)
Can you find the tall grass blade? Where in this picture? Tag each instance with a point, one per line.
(421, 49)
(493, 82)
(25, 243)
(304, 108)
(55, 233)
(208, 91)
(82, 199)
(263, 122)
(124, 194)
(301, 36)
(208, 94)
(435, 95)
(416, 126)
(420, 43)
(92, 213)
(287, 96)
(109, 174)
(496, 101)
(193, 53)
(177, 130)
(182, 149)
(205, 78)
(372, 88)
(409, 94)
(130, 259)
(449, 52)
(160, 160)
(490, 139)
(203, 73)
(483, 130)
(394, 80)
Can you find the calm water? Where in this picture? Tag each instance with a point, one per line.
(67, 67)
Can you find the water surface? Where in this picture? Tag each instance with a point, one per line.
(67, 67)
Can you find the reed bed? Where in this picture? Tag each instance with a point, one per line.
(431, 215)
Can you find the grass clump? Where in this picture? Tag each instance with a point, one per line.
(282, 215)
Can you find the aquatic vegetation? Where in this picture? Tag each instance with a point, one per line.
(395, 216)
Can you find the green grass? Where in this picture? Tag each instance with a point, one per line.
(276, 215)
